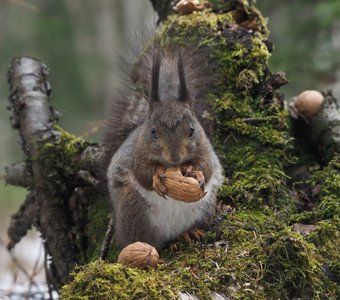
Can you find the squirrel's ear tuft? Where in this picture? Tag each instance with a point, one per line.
(183, 94)
(154, 90)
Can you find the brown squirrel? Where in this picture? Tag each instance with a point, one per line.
(158, 125)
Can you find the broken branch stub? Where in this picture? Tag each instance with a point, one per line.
(316, 123)
(17, 175)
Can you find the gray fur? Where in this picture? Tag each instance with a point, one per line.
(135, 154)
(130, 107)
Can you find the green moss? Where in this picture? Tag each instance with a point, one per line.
(291, 267)
(257, 257)
(58, 157)
(99, 213)
(61, 164)
(186, 30)
(326, 217)
(100, 280)
(326, 239)
(230, 269)
(329, 208)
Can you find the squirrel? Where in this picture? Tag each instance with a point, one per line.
(159, 125)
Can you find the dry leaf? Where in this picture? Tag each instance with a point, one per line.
(303, 229)
(186, 7)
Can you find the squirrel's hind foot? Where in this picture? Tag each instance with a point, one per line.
(193, 235)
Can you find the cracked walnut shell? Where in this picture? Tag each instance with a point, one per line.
(180, 187)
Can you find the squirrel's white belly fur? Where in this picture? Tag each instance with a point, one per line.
(171, 217)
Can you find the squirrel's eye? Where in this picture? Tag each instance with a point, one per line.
(154, 134)
(191, 131)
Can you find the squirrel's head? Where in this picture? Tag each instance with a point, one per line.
(173, 133)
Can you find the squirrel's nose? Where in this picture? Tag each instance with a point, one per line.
(175, 159)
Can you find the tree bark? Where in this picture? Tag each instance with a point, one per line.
(162, 7)
(48, 204)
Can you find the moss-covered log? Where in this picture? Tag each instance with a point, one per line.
(253, 251)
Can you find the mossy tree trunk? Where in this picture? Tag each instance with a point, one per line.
(60, 171)
(252, 251)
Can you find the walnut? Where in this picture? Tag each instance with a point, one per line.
(307, 104)
(140, 255)
(180, 187)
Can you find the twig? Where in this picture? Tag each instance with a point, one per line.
(26, 5)
(35, 270)
(107, 240)
(22, 221)
(96, 126)
(48, 280)
(254, 120)
(230, 135)
(18, 264)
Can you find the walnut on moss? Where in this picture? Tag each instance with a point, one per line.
(139, 255)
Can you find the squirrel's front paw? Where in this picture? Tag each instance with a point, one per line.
(198, 175)
(158, 185)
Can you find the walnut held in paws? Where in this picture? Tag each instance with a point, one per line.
(180, 187)
(140, 255)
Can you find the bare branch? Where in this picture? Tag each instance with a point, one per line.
(35, 270)
(23, 220)
(91, 158)
(107, 239)
(26, 5)
(17, 175)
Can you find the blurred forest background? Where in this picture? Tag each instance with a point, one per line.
(79, 41)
